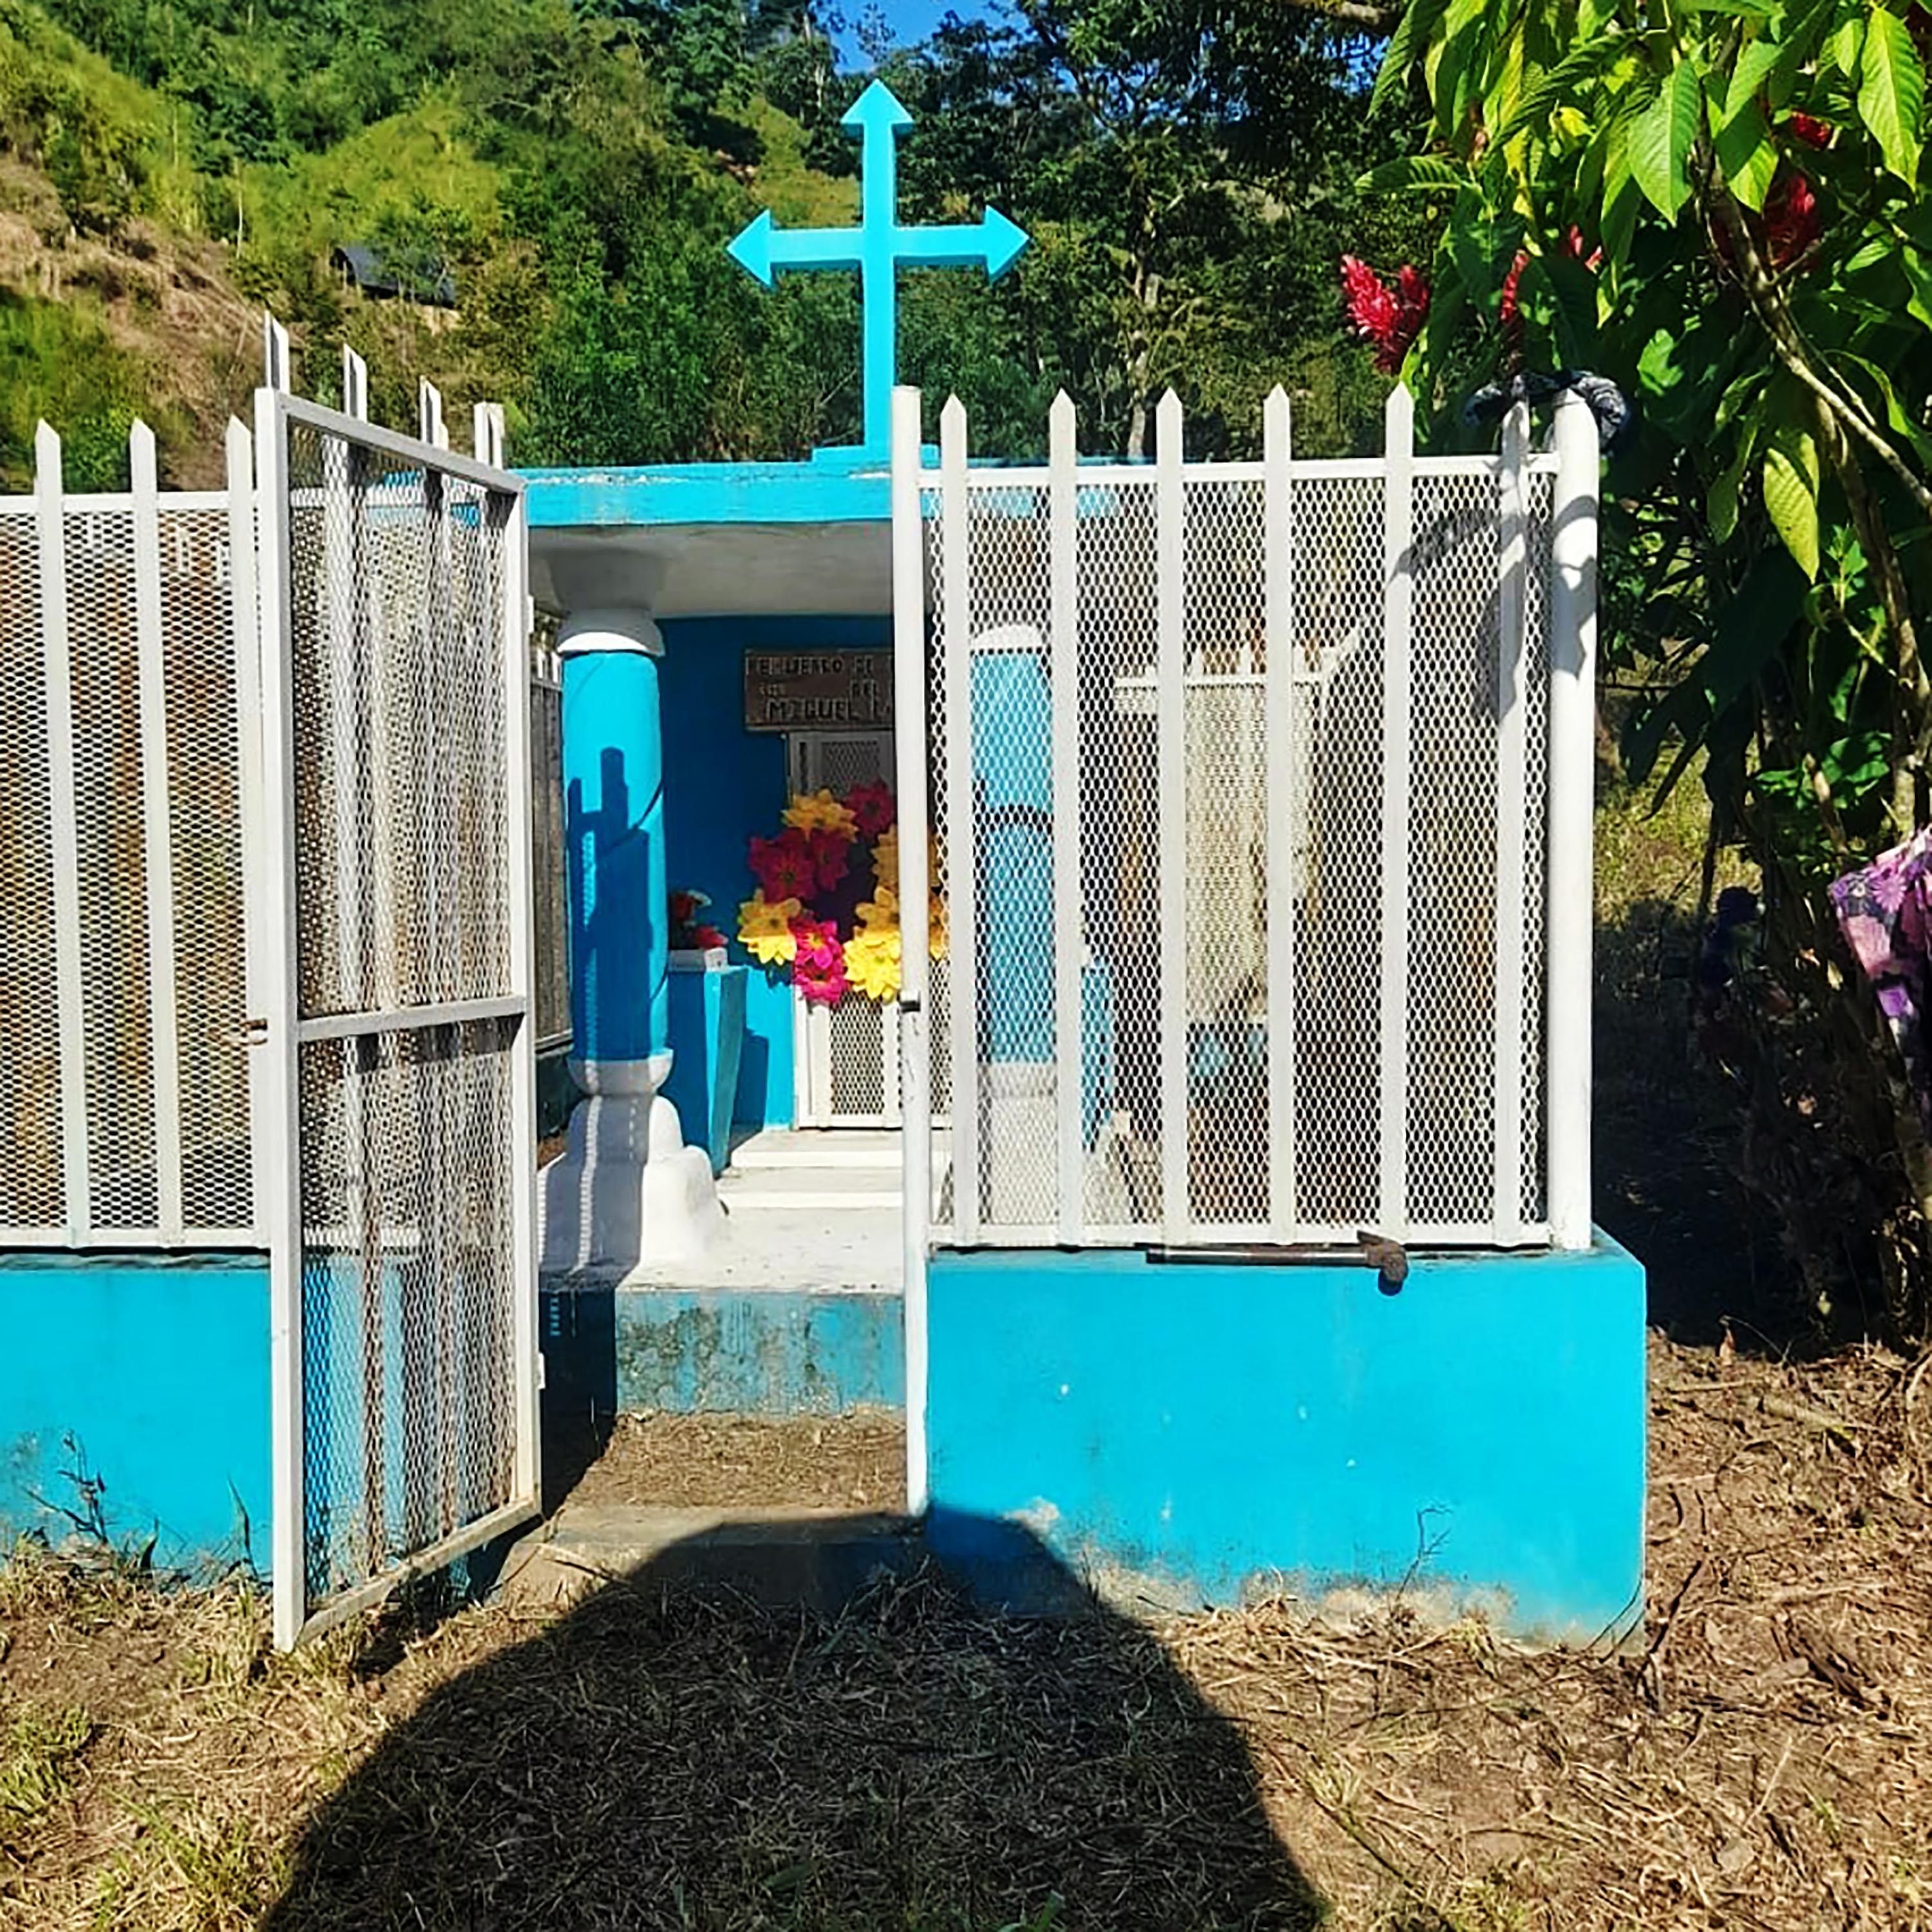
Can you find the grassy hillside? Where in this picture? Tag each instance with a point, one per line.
(578, 166)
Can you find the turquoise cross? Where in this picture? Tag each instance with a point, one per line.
(878, 248)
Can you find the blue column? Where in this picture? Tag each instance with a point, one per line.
(614, 798)
(1013, 776)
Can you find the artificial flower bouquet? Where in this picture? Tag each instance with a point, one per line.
(826, 910)
(690, 932)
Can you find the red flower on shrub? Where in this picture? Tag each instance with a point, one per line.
(1809, 129)
(1391, 319)
(1791, 220)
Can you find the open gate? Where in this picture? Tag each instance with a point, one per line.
(398, 1078)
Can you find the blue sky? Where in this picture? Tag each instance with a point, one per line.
(912, 20)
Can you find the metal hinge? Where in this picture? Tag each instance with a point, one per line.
(250, 1032)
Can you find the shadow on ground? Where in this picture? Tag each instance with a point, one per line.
(672, 1756)
(1667, 1137)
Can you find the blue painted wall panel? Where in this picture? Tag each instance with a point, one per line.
(723, 783)
(770, 1353)
(1212, 1426)
(159, 1370)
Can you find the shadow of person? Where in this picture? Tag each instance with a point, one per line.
(667, 1753)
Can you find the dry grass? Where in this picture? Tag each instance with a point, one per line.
(1762, 1757)
(855, 1461)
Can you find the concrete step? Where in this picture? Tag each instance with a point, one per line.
(834, 1190)
(779, 1556)
(827, 1149)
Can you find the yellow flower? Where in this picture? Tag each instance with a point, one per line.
(765, 928)
(820, 811)
(872, 962)
(881, 913)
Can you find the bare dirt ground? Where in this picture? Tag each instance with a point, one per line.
(854, 1462)
(1762, 1757)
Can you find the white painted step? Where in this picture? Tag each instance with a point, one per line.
(830, 1149)
(836, 1189)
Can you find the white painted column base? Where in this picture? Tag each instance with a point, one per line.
(627, 1193)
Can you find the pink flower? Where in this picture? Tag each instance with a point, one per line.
(786, 867)
(830, 851)
(817, 943)
(1391, 319)
(819, 970)
(872, 806)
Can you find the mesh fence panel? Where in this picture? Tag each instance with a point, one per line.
(1011, 894)
(205, 838)
(408, 1168)
(1439, 1133)
(407, 1291)
(1541, 490)
(1452, 852)
(1119, 848)
(30, 1194)
(1336, 529)
(1225, 753)
(198, 748)
(396, 588)
(117, 1032)
(858, 1032)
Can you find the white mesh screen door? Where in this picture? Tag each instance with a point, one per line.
(402, 1203)
(846, 1057)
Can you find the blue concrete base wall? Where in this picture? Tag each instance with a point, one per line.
(695, 1352)
(1201, 1433)
(156, 1373)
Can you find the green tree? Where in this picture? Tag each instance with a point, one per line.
(1722, 207)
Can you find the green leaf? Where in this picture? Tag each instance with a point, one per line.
(1901, 423)
(1413, 174)
(1722, 504)
(1857, 762)
(1418, 23)
(1891, 93)
(1684, 709)
(1752, 627)
(1845, 44)
(1918, 274)
(1660, 141)
(1574, 289)
(1747, 154)
(1756, 59)
(1791, 497)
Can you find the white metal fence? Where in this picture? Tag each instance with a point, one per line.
(1261, 792)
(129, 773)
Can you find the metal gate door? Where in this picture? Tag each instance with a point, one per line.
(401, 1126)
